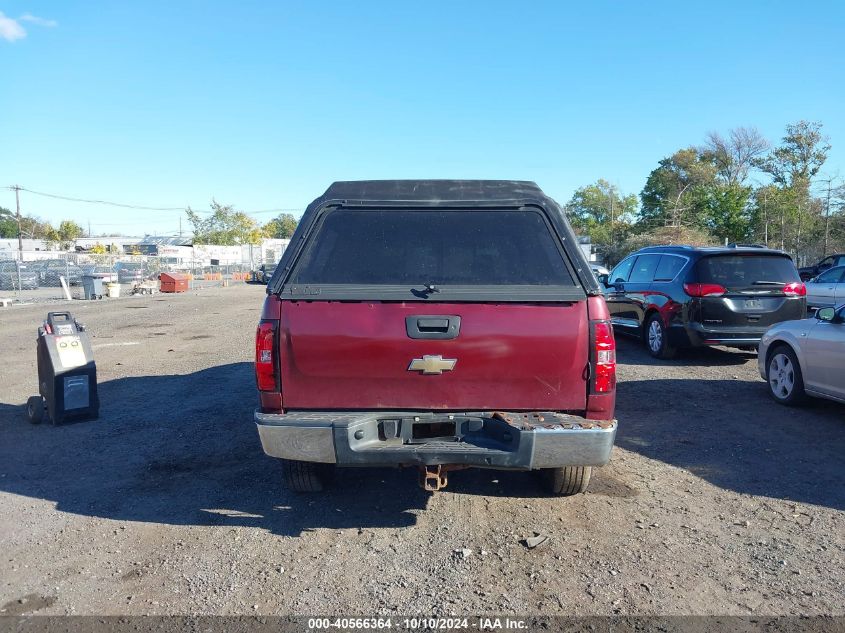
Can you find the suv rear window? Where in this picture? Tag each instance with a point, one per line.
(732, 271)
(411, 248)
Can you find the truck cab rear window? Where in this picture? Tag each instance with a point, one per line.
(442, 247)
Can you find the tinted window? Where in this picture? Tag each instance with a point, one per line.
(644, 267)
(745, 270)
(669, 267)
(840, 261)
(834, 275)
(621, 272)
(415, 247)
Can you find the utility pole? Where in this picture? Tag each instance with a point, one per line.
(18, 208)
(611, 218)
(766, 216)
(827, 220)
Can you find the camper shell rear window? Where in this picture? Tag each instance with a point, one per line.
(439, 254)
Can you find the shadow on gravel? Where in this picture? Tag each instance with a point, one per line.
(525, 485)
(730, 433)
(182, 450)
(631, 347)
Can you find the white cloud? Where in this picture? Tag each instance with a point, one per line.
(10, 30)
(28, 17)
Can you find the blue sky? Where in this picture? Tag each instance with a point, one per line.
(263, 104)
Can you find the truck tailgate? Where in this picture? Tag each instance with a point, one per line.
(359, 355)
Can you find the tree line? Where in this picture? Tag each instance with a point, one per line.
(223, 225)
(227, 226)
(32, 228)
(733, 188)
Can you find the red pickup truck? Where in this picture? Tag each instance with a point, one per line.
(440, 324)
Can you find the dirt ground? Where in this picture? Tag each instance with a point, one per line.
(716, 501)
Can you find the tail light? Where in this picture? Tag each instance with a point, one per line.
(704, 290)
(604, 354)
(266, 374)
(795, 289)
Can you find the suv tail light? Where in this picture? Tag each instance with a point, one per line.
(266, 356)
(704, 290)
(604, 354)
(795, 289)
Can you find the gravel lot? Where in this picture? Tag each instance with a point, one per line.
(716, 501)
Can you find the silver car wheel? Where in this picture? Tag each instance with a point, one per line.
(655, 336)
(781, 376)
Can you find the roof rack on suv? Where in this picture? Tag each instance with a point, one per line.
(666, 247)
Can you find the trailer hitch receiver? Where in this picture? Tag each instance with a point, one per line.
(433, 478)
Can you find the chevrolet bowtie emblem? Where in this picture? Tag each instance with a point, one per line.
(432, 364)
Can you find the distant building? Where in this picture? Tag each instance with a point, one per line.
(158, 245)
(107, 241)
(32, 249)
(182, 251)
(586, 244)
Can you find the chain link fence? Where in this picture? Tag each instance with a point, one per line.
(52, 276)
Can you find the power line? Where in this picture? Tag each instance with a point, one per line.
(137, 207)
(106, 202)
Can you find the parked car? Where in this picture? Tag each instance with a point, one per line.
(51, 270)
(17, 276)
(457, 325)
(826, 290)
(599, 270)
(130, 272)
(682, 296)
(107, 273)
(808, 272)
(805, 358)
(264, 273)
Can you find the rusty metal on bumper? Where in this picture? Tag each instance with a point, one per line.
(519, 441)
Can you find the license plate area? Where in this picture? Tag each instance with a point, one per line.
(433, 430)
(424, 429)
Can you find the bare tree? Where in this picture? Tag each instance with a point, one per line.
(800, 156)
(736, 155)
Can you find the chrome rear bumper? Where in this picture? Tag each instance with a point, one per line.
(519, 441)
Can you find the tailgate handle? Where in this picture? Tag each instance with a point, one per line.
(437, 327)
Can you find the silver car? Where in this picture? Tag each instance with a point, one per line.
(805, 358)
(828, 289)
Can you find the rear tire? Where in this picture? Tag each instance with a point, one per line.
(657, 339)
(784, 377)
(35, 409)
(567, 480)
(305, 476)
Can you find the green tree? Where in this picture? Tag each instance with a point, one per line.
(65, 235)
(800, 226)
(701, 188)
(224, 226)
(799, 157)
(675, 192)
(8, 224)
(726, 213)
(281, 227)
(35, 229)
(602, 212)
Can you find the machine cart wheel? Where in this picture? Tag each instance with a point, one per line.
(35, 409)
